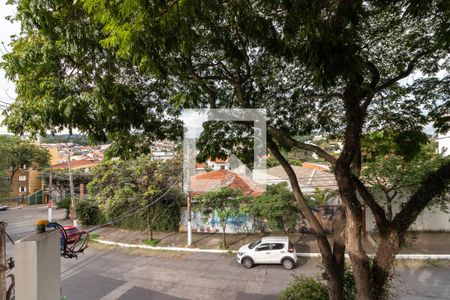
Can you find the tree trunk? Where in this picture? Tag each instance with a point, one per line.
(353, 232)
(383, 262)
(333, 262)
(335, 282)
(224, 236)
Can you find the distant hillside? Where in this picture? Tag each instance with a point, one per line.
(65, 138)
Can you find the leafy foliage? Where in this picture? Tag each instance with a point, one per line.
(124, 189)
(65, 79)
(304, 288)
(15, 153)
(393, 174)
(88, 212)
(122, 70)
(225, 202)
(311, 288)
(277, 205)
(321, 196)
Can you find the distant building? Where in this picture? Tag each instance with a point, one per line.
(214, 180)
(25, 182)
(444, 143)
(309, 176)
(84, 165)
(162, 155)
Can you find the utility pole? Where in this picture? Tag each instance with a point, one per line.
(50, 200)
(72, 194)
(189, 229)
(3, 266)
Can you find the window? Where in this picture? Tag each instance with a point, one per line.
(22, 189)
(253, 245)
(263, 247)
(24, 166)
(277, 246)
(22, 178)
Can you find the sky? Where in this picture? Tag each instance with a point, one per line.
(7, 88)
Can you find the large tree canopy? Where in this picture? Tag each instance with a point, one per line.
(122, 69)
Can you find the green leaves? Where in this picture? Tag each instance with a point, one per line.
(225, 202)
(278, 207)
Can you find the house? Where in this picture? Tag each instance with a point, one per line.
(310, 176)
(84, 165)
(26, 181)
(218, 164)
(214, 180)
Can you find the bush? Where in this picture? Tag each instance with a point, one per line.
(88, 212)
(64, 204)
(304, 288)
(312, 288)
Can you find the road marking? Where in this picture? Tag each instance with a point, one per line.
(118, 292)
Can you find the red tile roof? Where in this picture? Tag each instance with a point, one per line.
(200, 165)
(214, 180)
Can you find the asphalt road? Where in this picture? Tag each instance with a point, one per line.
(108, 274)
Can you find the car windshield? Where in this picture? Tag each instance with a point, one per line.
(253, 245)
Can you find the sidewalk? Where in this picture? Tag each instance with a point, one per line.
(425, 243)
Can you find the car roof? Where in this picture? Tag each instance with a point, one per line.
(268, 239)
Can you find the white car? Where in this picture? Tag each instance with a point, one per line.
(268, 250)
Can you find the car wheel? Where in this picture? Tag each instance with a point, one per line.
(248, 263)
(288, 264)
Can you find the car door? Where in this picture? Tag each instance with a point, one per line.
(277, 252)
(262, 253)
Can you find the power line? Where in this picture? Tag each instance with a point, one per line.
(139, 209)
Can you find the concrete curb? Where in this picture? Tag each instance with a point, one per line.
(310, 255)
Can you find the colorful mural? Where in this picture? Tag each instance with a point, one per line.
(250, 224)
(210, 223)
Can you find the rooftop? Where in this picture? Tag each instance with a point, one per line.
(214, 180)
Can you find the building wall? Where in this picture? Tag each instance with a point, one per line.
(429, 220)
(32, 182)
(444, 143)
(210, 224)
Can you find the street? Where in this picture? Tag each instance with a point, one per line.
(109, 273)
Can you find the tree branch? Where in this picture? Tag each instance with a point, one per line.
(404, 73)
(322, 240)
(431, 187)
(281, 136)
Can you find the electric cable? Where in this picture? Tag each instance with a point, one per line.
(138, 209)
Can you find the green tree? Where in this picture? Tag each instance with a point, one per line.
(139, 193)
(393, 173)
(225, 202)
(66, 79)
(16, 153)
(278, 206)
(340, 67)
(321, 196)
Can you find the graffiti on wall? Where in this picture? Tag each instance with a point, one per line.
(249, 224)
(211, 223)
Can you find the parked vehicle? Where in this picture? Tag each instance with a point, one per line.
(268, 250)
(3, 207)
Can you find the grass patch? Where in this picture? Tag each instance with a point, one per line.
(94, 236)
(150, 242)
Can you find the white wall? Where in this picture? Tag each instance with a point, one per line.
(429, 220)
(444, 143)
(38, 266)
